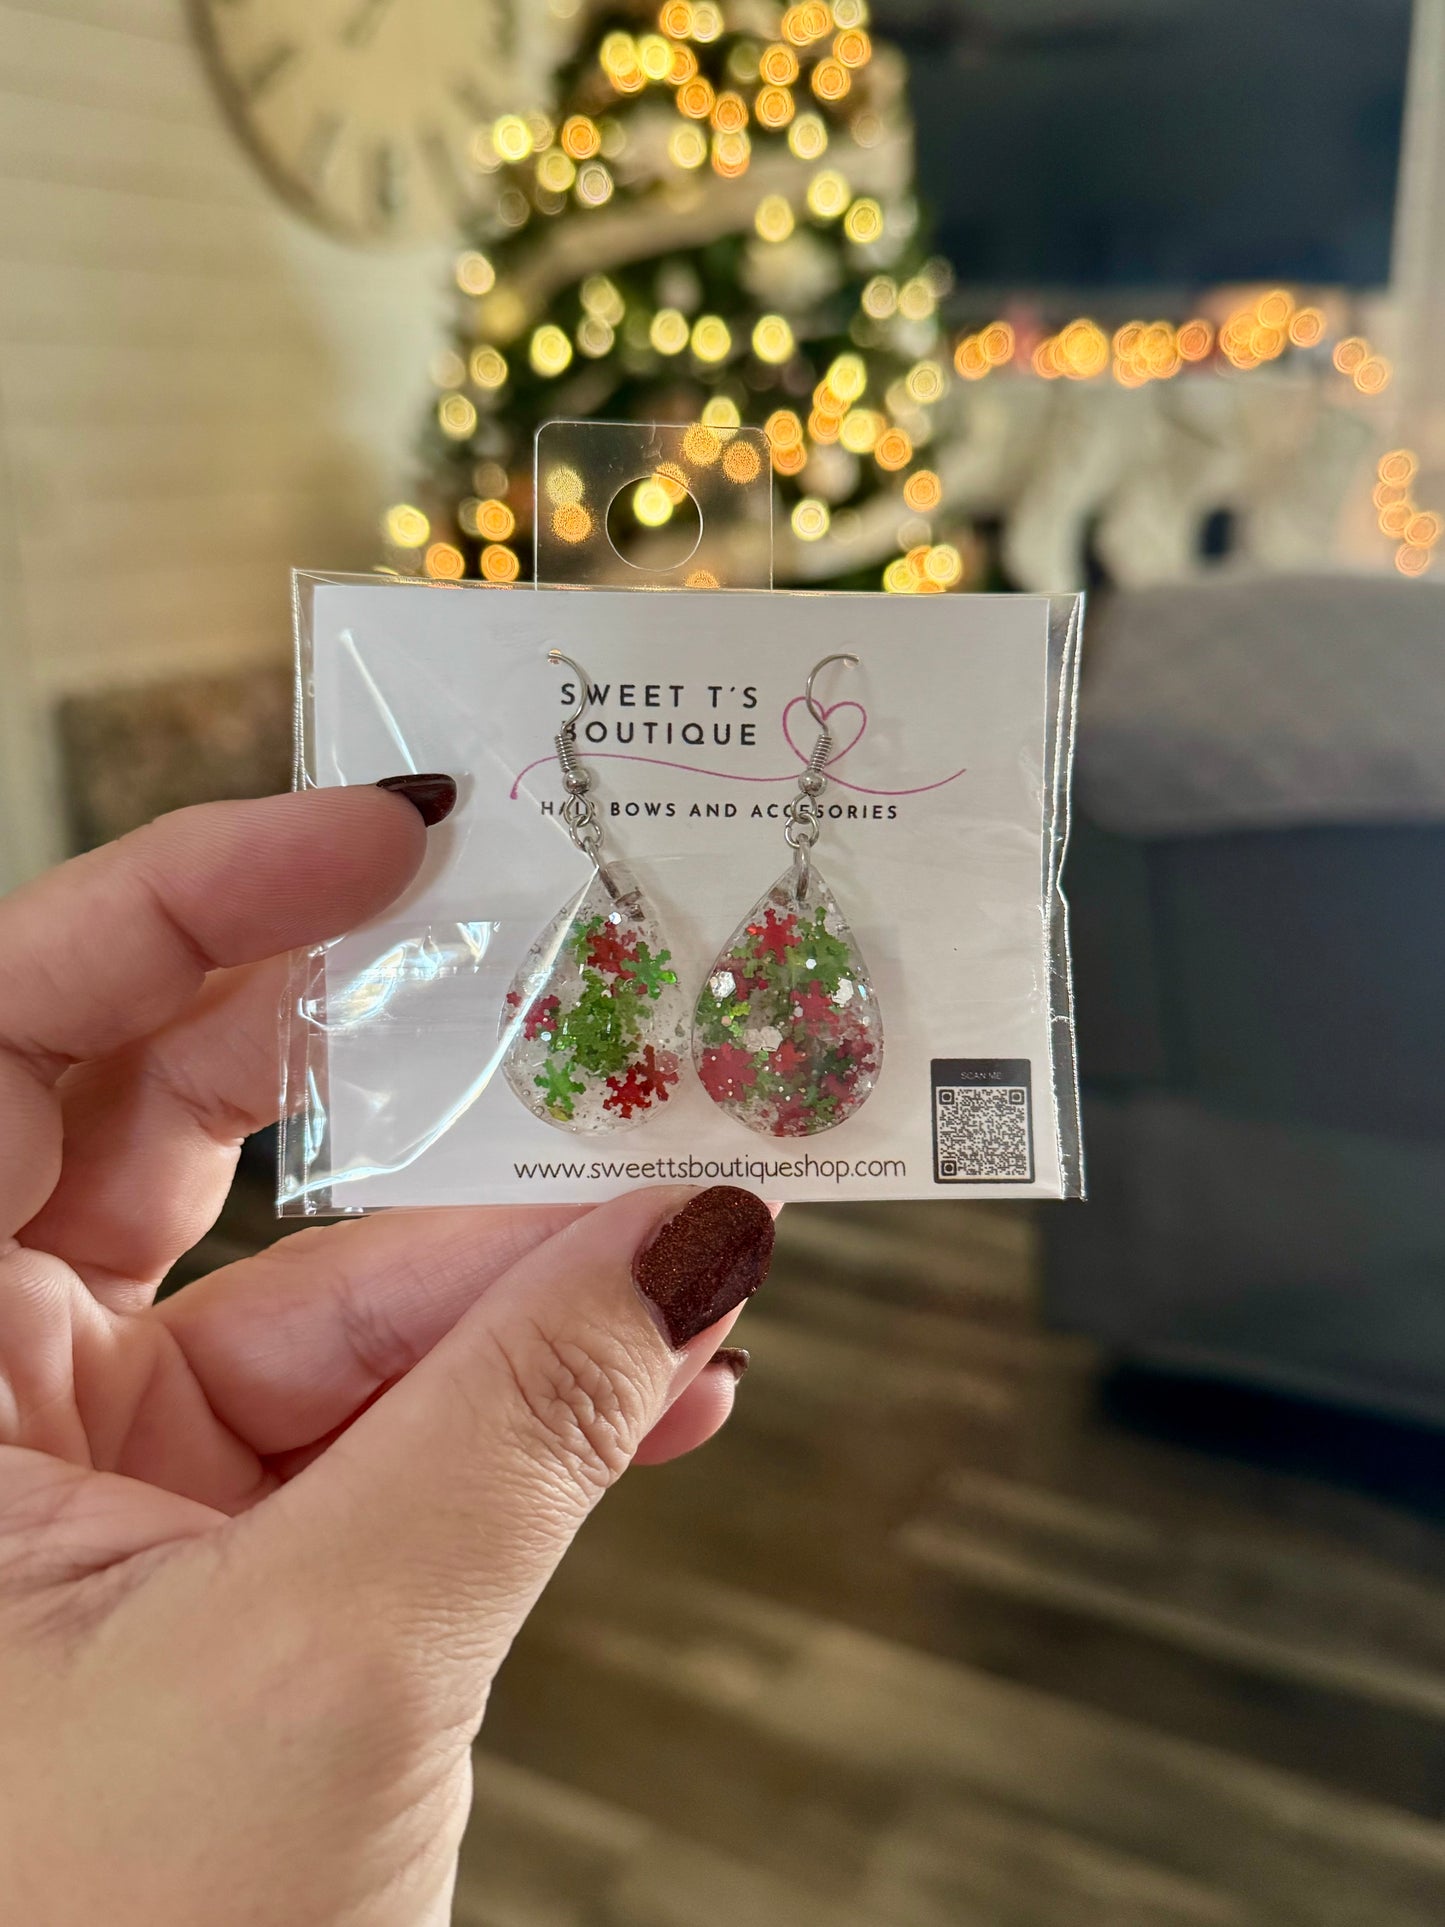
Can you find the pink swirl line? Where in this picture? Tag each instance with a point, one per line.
(727, 776)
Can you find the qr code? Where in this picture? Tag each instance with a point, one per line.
(981, 1133)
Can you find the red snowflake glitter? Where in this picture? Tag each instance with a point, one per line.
(608, 951)
(787, 1060)
(646, 1080)
(541, 1017)
(727, 1072)
(775, 936)
(812, 1006)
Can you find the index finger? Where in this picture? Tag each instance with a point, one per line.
(113, 944)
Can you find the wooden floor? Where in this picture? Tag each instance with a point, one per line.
(928, 1640)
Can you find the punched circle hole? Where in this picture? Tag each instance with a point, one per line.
(654, 523)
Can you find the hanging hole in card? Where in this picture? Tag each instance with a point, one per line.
(653, 505)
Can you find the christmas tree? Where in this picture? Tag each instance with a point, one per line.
(713, 222)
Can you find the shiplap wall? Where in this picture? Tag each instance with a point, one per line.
(196, 389)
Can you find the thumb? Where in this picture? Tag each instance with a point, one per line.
(450, 1501)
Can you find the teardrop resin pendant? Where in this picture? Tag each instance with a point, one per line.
(787, 1035)
(596, 1016)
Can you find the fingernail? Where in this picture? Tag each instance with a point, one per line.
(706, 1260)
(733, 1359)
(433, 797)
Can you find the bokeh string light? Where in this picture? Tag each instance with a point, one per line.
(672, 104)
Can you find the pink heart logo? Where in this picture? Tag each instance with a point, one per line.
(800, 702)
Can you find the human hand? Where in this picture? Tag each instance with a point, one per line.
(264, 1545)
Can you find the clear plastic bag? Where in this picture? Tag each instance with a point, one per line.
(942, 835)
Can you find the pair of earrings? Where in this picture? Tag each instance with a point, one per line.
(786, 1034)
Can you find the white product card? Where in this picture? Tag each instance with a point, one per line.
(943, 825)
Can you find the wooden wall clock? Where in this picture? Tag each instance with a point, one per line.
(361, 111)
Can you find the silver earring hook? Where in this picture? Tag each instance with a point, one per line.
(579, 812)
(556, 656)
(808, 697)
(805, 818)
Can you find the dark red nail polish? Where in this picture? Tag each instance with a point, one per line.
(733, 1359)
(433, 797)
(706, 1260)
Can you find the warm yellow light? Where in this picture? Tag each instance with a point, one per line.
(848, 377)
(707, 21)
(700, 445)
(571, 522)
(594, 184)
(729, 113)
(580, 137)
(824, 426)
(457, 416)
(405, 527)
(794, 28)
(494, 520)
(1423, 530)
(555, 171)
(673, 479)
(688, 145)
(695, 98)
(774, 107)
(741, 463)
(701, 579)
(817, 19)
(669, 331)
(923, 491)
(1274, 310)
(550, 351)
(488, 368)
(916, 299)
(861, 429)
(1195, 339)
(864, 221)
(853, 48)
(1399, 467)
(618, 54)
(445, 562)
(810, 519)
(512, 138)
(880, 297)
(925, 381)
(721, 412)
(731, 152)
(499, 564)
(828, 194)
(1412, 561)
(601, 298)
(683, 65)
(1307, 327)
(774, 218)
(1395, 518)
(788, 461)
(943, 565)
(475, 273)
(783, 429)
(676, 19)
(970, 358)
(651, 503)
(779, 65)
(562, 484)
(772, 339)
(831, 80)
(808, 137)
(1373, 374)
(898, 577)
(711, 338)
(654, 56)
(850, 13)
(893, 449)
(1350, 353)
